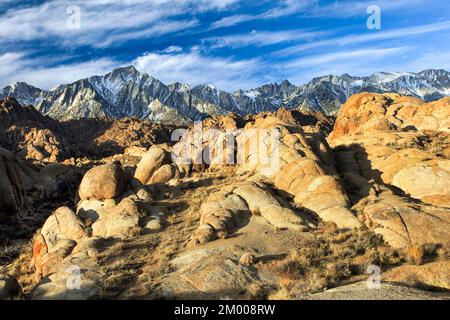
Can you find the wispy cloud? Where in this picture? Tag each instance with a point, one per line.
(262, 38)
(316, 9)
(360, 62)
(283, 8)
(186, 40)
(195, 68)
(229, 74)
(17, 66)
(366, 54)
(155, 30)
(172, 49)
(401, 33)
(117, 20)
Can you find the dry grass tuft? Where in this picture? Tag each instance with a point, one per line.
(334, 257)
(385, 256)
(283, 293)
(257, 291)
(443, 251)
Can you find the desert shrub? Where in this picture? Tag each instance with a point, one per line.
(336, 272)
(257, 291)
(364, 241)
(346, 252)
(443, 250)
(293, 267)
(8, 254)
(430, 249)
(315, 282)
(385, 256)
(328, 228)
(283, 293)
(334, 256)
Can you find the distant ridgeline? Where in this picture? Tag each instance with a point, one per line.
(128, 92)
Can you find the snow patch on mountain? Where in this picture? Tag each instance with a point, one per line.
(128, 92)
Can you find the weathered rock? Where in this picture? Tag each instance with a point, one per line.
(11, 189)
(306, 170)
(426, 182)
(366, 112)
(63, 224)
(41, 145)
(262, 202)
(219, 215)
(54, 170)
(94, 209)
(398, 159)
(154, 224)
(209, 273)
(205, 233)
(135, 151)
(402, 223)
(155, 158)
(164, 174)
(50, 262)
(434, 275)
(57, 180)
(120, 222)
(103, 182)
(384, 168)
(144, 195)
(69, 283)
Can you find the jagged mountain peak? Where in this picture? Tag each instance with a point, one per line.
(179, 87)
(125, 72)
(126, 91)
(128, 69)
(206, 86)
(286, 82)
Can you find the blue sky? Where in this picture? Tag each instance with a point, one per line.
(228, 43)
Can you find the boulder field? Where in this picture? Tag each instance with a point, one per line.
(274, 206)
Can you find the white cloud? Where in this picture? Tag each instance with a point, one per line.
(261, 38)
(316, 8)
(172, 49)
(190, 67)
(158, 29)
(232, 20)
(400, 33)
(228, 74)
(194, 68)
(16, 66)
(366, 54)
(429, 59)
(102, 20)
(284, 8)
(360, 62)
(351, 8)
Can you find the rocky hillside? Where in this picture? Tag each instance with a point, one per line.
(303, 214)
(128, 92)
(33, 136)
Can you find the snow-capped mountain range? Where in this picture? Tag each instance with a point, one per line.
(128, 92)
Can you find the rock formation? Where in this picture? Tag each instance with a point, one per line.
(393, 150)
(12, 199)
(32, 136)
(264, 207)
